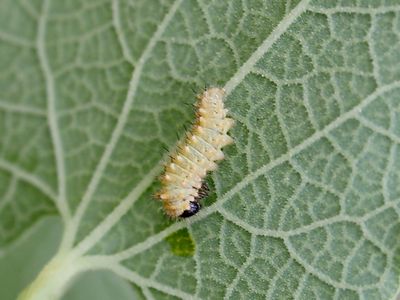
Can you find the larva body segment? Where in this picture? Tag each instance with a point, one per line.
(182, 181)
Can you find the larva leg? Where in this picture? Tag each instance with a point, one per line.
(203, 191)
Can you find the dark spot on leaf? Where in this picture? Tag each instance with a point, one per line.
(181, 243)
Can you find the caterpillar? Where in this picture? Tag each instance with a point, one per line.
(183, 178)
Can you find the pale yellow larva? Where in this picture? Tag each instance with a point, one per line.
(183, 179)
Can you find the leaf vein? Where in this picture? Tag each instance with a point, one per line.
(61, 199)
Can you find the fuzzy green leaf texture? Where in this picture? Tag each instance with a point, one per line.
(305, 204)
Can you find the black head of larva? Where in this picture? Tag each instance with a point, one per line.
(194, 205)
(194, 209)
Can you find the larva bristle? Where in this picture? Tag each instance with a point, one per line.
(183, 178)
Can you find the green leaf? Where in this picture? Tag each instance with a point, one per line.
(306, 203)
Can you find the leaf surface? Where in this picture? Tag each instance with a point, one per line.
(306, 203)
